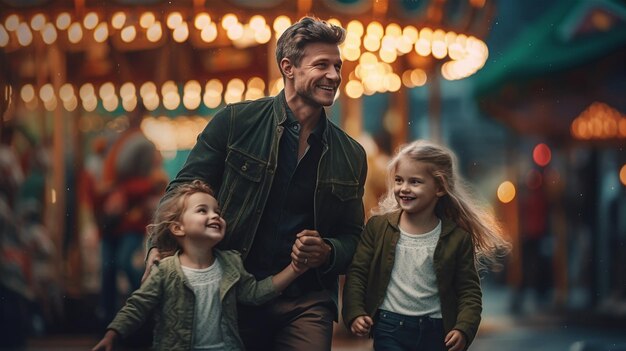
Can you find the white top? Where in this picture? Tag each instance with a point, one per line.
(412, 289)
(205, 283)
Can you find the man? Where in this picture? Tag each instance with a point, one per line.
(290, 184)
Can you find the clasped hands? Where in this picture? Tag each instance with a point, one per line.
(308, 251)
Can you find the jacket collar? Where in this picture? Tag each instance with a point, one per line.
(447, 225)
(227, 267)
(280, 104)
(230, 274)
(280, 116)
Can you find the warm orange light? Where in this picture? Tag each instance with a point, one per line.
(118, 20)
(622, 174)
(355, 27)
(599, 121)
(354, 89)
(202, 20)
(147, 19)
(506, 192)
(542, 154)
(38, 21)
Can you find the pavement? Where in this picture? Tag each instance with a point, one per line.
(539, 327)
(535, 328)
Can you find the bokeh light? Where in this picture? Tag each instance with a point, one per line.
(542, 154)
(506, 192)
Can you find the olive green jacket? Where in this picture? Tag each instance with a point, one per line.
(457, 279)
(236, 155)
(168, 294)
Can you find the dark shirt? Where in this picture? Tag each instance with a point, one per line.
(289, 208)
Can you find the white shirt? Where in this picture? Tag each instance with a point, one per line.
(412, 289)
(205, 283)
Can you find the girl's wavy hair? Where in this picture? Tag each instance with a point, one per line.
(459, 203)
(169, 212)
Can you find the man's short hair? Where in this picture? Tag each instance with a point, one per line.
(294, 39)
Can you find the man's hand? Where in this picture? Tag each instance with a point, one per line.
(310, 249)
(153, 256)
(361, 325)
(455, 340)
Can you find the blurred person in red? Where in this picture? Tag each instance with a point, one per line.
(132, 183)
(536, 266)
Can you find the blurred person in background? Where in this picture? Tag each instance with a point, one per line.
(16, 293)
(132, 182)
(534, 234)
(47, 308)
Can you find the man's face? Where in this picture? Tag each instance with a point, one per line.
(318, 76)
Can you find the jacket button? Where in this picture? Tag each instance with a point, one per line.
(244, 168)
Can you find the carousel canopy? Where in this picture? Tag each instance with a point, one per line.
(216, 51)
(567, 66)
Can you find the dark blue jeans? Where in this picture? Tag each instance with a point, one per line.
(397, 332)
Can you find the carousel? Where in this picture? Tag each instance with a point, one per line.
(75, 72)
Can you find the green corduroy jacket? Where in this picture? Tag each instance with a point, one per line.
(457, 279)
(168, 294)
(237, 155)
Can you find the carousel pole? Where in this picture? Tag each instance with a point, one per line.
(352, 112)
(4, 87)
(399, 103)
(273, 72)
(434, 104)
(304, 7)
(351, 109)
(57, 192)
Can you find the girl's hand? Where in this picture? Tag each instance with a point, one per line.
(361, 325)
(298, 268)
(455, 340)
(107, 341)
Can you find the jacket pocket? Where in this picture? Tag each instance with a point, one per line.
(345, 191)
(240, 186)
(246, 166)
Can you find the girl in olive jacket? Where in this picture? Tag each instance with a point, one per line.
(195, 292)
(413, 282)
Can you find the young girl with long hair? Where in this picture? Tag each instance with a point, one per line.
(413, 283)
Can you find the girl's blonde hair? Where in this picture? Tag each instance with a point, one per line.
(169, 212)
(459, 204)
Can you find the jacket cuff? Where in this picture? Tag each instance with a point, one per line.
(267, 286)
(328, 266)
(118, 329)
(468, 331)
